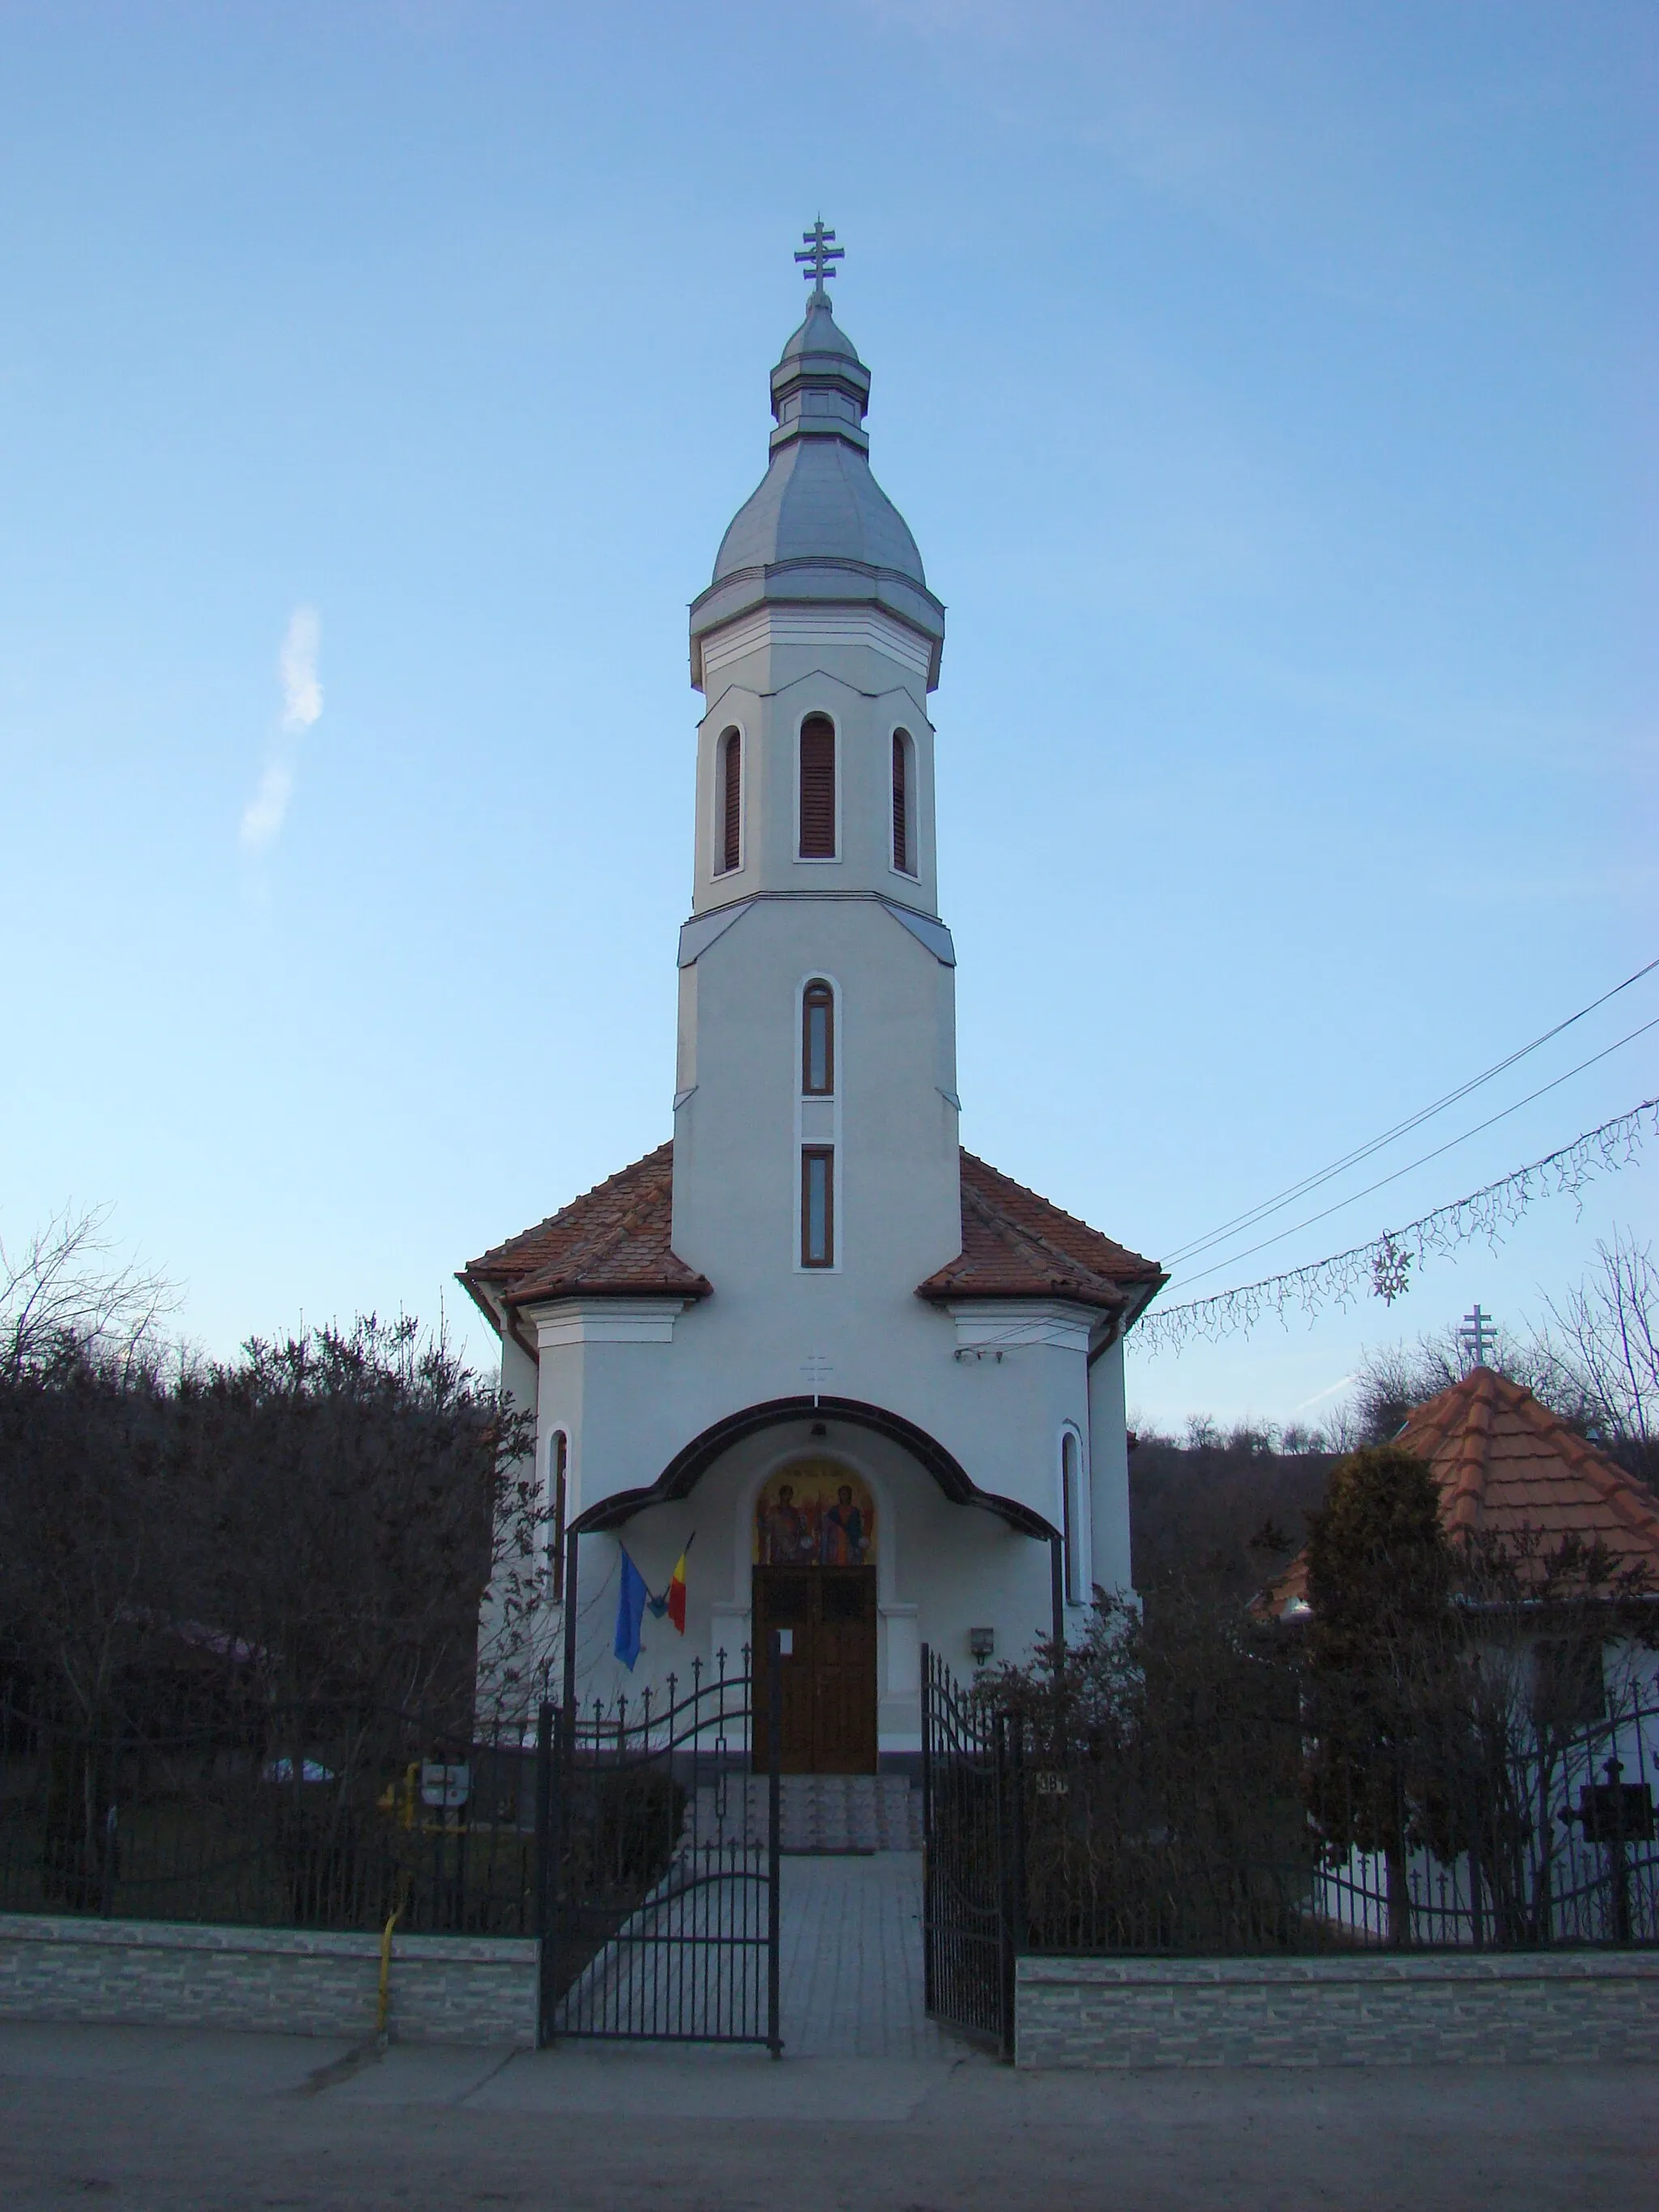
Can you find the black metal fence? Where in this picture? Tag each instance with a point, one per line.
(1260, 1821)
(970, 1793)
(662, 1916)
(1284, 1840)
(632, 1838)
(313, 1815)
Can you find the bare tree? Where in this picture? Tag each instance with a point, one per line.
(63, 1287)
(1598, 1353)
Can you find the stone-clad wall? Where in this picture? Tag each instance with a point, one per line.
(1373, 2010)
(444, 1989)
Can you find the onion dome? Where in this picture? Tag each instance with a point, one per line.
(819, 531)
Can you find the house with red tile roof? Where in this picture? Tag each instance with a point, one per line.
(1569, 1683)
(879, 1381)
(1512, 1473)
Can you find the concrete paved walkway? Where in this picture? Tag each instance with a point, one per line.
(141, 2120)
(849, 1954)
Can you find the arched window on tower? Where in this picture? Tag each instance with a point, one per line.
(1071, 1524)
(731, 790)
(817, 788)
(558, 1457)
(904, 831)
(818, 1041)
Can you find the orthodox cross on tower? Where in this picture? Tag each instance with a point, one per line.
(1478, 1333)
(821, 251)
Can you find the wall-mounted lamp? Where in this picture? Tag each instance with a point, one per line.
(982, 1643)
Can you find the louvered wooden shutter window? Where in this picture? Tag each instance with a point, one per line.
(900, 802)
(732, 801)
(817, 788)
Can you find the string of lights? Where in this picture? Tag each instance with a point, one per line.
(1450, 1144)
(1382, 1266)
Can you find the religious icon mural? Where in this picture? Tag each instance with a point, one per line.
(815, 1514)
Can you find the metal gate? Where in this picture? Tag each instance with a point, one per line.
(659, 1866)
(972, 1795)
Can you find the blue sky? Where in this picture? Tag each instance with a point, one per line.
(1270, 390)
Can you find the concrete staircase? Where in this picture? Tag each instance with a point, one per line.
(820, 1813)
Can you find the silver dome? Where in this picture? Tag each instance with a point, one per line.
(818, 528)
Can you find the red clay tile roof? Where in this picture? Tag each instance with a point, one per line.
(1505, 1464)
(613, 1242)
(1017, 1245)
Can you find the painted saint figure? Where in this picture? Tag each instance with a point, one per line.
(845, 1543)
(786, 1531)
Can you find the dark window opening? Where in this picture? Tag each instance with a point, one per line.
(731, 800)
(902, 859)
(557, 1453)
(1070, 1508)
(817, 788)
(818, 1041)
(1568, 1688)
(818, 1207)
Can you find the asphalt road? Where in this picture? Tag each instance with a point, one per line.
(143, 2119)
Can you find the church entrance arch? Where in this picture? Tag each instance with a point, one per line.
(815, 1539)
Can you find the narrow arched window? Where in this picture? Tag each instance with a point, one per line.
(1070, 1507)
(817, 788)
(558, 1454)
(903, 809)
(731, 801)
(818, 1041)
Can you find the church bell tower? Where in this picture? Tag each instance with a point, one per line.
(816, 1158)
(878, 1381)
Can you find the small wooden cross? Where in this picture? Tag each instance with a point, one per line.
(821, 251)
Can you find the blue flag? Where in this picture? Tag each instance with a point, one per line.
(630, 1608)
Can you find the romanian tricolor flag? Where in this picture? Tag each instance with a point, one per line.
(677, 1593)
(671, 1603)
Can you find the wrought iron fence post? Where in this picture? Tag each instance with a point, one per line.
(927, 1829)
(550, 1738)
(773, 1826)
(1010, 1824)
(106, 1888)
(1618, 1858)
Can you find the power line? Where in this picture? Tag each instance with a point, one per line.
(1249, 1219)
(1450, 1144)
(1382, 1266)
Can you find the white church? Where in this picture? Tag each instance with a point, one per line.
(878, 1382)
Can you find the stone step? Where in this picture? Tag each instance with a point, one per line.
(819, 1812)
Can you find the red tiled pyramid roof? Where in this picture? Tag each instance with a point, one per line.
(1017, 1245)
(614, 1242)
(1506, 1466)
(1504, 1462)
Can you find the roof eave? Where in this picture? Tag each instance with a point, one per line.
(1103, 1298)
(543, 1293)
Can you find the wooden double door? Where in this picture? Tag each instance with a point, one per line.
(826, 1620)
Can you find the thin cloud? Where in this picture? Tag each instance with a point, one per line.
(302, 705)
(1320, 1396)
